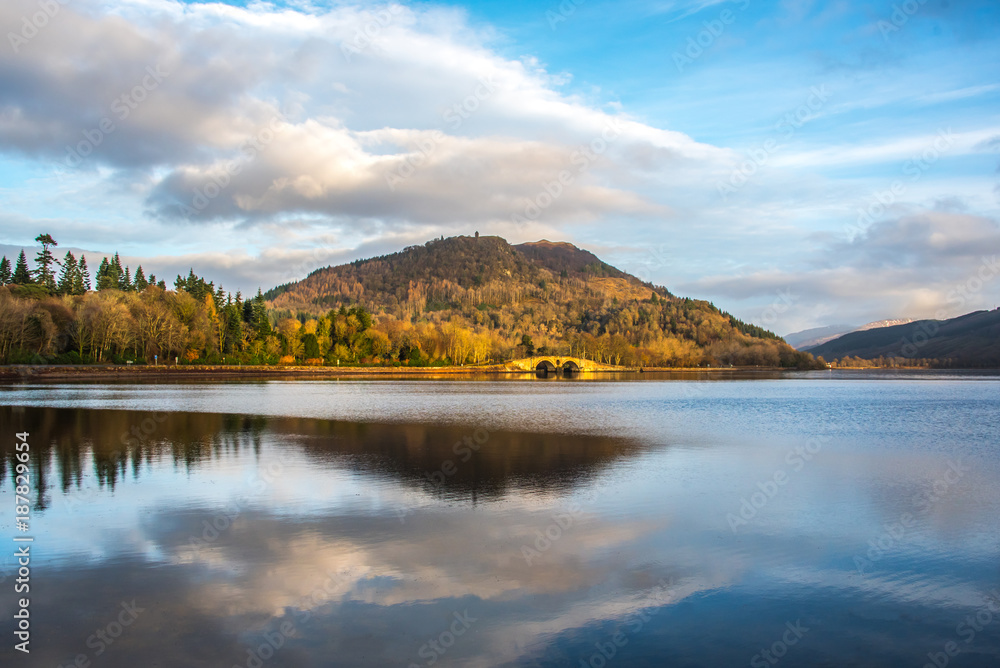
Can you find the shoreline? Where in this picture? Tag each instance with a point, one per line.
(56, 371)
(202, 372)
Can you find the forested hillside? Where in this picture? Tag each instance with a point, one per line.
(511, 301)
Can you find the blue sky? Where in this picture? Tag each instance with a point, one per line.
(798, 163)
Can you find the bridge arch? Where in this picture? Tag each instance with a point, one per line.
(546, 365)
(556, 365)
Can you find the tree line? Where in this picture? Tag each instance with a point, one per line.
(53, 314)
(70, 276)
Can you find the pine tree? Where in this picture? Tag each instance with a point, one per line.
(140, 283)
(22, 275)
(68, 279)
(104, 278)
(196, 287)
(260, 321)
(220, 298)
(109, 275)
(125, 282)
(83, 275)
(5, 272)
(45, 275)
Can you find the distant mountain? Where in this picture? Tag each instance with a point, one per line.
(971, 340)
(539, 296)
(809, 338)
(878, 324)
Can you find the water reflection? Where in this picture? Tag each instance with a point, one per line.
(448, 460)
(244, 540)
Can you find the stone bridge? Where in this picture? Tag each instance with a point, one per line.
(559, 363)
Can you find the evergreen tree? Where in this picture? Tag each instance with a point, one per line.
(248, 311)
(5, 272)
(45, 274)
(107, 279)
(119, 273)
(83, 275)
(140, 283)
(195, 286)
(22, 275)
(310, 346)
(69, 279)
(258, 318)
(220, 298)
(125, 281)
(234, 323)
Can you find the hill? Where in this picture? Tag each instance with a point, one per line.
(971, 340)
(810, 338)
(518, 299)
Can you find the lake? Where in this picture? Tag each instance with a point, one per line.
(805, 519)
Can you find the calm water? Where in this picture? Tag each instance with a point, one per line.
(814, 520)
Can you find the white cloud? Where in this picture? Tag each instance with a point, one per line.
(925, 265)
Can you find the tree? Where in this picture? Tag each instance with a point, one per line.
(45, 275)
(109, 274)
(310, 346)
(232, 321)
(68, 279)
(378, 343)
(258, 316)
(195, 286)
(83, 277)
(482, 344)
(22, 275)
(140, 283)
(5, 272)
(529, 346)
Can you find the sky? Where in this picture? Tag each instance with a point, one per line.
(798, 163)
